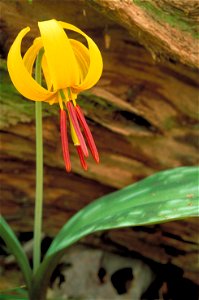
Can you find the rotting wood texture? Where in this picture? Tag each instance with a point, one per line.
(143, 115)
(167, 28)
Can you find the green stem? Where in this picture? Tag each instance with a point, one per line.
(39, 173)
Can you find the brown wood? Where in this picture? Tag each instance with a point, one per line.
(167, 28)
(143, 114)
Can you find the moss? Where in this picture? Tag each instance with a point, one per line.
(170, 123)
(170, 15)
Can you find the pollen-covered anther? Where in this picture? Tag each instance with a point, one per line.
(73, 117)
(87, 133)
(81, 157)
(64, 140)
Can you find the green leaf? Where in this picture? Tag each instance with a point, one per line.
(12, 297)
(16, 249)
(14, 294)
(17, 290)
(165, 196)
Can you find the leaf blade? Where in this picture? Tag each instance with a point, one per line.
(16, 249)
(170, 195)
(124, 208)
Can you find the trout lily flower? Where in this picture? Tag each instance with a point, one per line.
(68, 67)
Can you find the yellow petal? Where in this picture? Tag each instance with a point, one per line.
(96, 64)
(20, 76)
(46, 73)
(82, 57)
(31, 54)
(61, 60)
(30, 57)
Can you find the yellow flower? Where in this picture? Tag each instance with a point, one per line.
(69, 67)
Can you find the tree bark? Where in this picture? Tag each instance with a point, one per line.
(143, 114)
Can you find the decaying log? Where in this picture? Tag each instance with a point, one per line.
(167, 28)
(143, 115)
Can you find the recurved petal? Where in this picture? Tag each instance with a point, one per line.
(82, 57)
(61, 60)
(30, 57)
(96, 64)
(31, 54)
(20, 76)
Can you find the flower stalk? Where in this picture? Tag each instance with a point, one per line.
(39, 172)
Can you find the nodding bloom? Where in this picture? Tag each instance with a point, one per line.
(68, 67)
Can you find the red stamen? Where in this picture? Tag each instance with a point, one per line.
(88, 133)
(64, 139)
(81, 157)
(75, 123)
